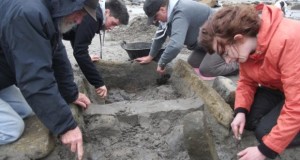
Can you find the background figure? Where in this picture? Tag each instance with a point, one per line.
(33, 58)
(180, 21)
(267, 97)
(81, 37)
(282, 5)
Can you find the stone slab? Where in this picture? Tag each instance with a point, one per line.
(140, 107)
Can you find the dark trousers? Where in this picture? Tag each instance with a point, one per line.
(264, 113)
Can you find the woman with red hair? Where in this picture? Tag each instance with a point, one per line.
(268, 93)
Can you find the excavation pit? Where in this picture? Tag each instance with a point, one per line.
(138, 120)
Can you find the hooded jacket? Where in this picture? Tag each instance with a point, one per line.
(276, 65)
(81, 37)
(33, 57)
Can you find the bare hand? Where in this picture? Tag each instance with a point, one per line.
(94, 57)
(73, 139)
(238, 124)
(251, 153)
(144, 60)
(160, 70)
(82, 101)
(102, 91)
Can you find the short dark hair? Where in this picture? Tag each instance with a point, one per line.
(118, 10)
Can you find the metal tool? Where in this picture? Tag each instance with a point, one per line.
(101, 42)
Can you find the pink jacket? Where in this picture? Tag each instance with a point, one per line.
(275, 64)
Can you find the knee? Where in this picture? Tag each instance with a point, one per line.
(13, 132)
(191, 61)
(206, 71)
(18, 128)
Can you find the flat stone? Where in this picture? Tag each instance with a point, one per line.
(141, 107)
(189, 84)
(36, 142)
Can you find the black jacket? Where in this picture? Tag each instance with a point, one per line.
(33, 57)
(80, 38)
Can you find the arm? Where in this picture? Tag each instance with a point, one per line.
(243, 100)
(157, 42)
(159, 39)
(83, 38)
(179, 30)
(63, 73)
(245, 91)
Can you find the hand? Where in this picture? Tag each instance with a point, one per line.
(102, 91)
(73, 139)
(160, 70)
(82, 101)
(144, 60)
(94, 57)
(238, 124)
(251, 153)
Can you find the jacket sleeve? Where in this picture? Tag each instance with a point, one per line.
(83, 38)
(179, 29)
(30, 55)
(245, 91)
(288, 125)
(63, 73)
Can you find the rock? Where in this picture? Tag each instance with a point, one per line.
(211, 3)
(103, 126)
(36, 142)
(196, 137)
(188, 83)
(226, 89)
(175, 139)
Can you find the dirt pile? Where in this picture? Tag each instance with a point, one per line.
(136, 31)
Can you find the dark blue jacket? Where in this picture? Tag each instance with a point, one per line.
(80, 38)
(33, 57)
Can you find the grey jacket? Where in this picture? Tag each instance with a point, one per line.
(33, 57)
(182, 28)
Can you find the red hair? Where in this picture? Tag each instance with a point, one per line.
(228, 22)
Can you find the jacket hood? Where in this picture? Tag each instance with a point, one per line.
(270, 19)
(60, 8)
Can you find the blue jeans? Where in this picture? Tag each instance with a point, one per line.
(13, 108)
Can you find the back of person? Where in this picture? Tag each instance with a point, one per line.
(195, 14)
(281, 4)
(10, 10)
(180, 20)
